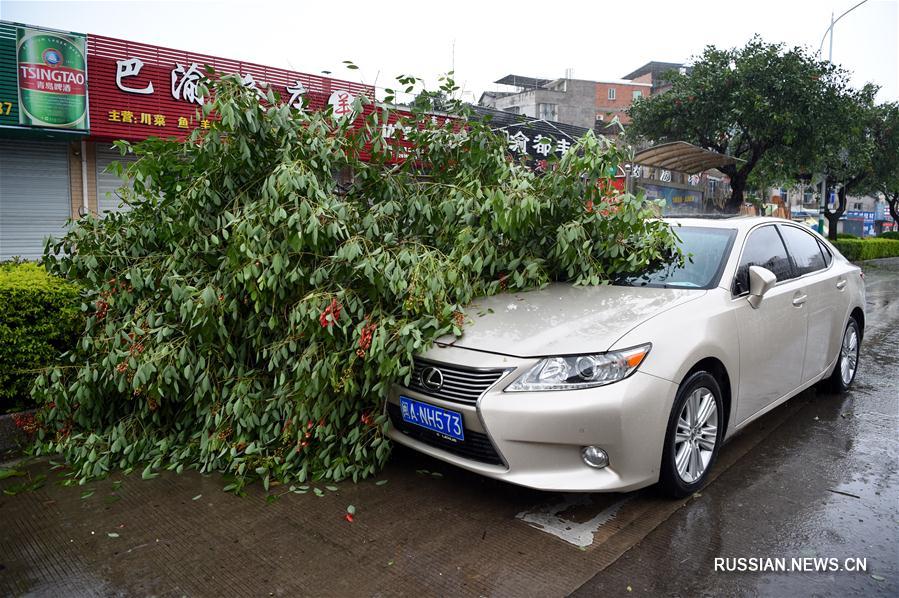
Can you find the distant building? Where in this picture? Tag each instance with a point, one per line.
(654, 73)
(570, 101)
(578, 102)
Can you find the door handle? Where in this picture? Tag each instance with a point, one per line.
(798, 300)
(841, 284)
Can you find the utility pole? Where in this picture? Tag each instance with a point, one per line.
(830, 60)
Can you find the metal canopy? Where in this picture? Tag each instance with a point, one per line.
(683, 157)
(522, 81)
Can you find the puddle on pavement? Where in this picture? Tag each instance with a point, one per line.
(576, 518)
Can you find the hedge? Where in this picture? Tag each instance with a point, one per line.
(890, 234)
(867, 249)
(39, 319)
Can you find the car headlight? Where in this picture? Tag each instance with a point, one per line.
(581, 371)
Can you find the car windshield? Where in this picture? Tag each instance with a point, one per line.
(704, 251)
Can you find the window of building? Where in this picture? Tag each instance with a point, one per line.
(548, 111)
(637, 95)
(857, 205)
(513, 109)
(611, 93)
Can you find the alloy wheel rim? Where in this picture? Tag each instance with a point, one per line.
(849, 355)
(696, 435)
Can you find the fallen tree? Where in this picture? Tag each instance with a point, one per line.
(250, 311)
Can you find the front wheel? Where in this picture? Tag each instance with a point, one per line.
(847, 364)
(693, 437)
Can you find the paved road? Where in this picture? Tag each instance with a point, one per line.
(818, 477)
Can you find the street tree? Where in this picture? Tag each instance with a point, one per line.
(847, 150)
(884, 174)
(758, 103)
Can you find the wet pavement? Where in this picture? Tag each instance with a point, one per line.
(817, 477)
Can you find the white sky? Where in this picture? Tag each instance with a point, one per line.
(597, 39)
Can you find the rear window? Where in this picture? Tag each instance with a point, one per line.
(828, 256)
(804, 249)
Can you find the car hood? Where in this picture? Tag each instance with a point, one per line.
(562, 319)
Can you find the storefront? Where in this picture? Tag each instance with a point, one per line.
(43, 113)
(65, 97)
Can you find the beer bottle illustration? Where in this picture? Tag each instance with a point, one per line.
(52, 72)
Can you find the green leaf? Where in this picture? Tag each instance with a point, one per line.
(8, 473)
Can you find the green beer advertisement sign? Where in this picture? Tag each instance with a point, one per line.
(52, 79)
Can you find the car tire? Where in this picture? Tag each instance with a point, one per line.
(847, 362)
(689, 454)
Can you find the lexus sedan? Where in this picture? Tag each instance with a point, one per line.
(620, 386)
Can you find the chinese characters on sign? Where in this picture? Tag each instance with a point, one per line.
(185, 83)
(342, 104)
(139, 90)
(131, 68)
(536, 149)
(154, 120)
(296, 91)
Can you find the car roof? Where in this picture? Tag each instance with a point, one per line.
(741, 223)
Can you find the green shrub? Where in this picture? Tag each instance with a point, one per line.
(846, 236)
(890, 234)
(867, 249)
(39, 319)
(251, 312)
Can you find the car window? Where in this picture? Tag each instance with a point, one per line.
(766, 249)
(828, 256)
(705, 250)
(804, 249)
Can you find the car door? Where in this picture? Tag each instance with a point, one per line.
(772, 337)
(824, 295)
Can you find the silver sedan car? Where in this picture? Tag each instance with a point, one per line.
(617, 387)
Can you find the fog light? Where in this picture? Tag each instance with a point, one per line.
(595, 457)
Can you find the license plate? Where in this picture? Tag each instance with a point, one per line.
(443, 421)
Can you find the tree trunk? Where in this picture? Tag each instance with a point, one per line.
(737, 187)
(893, 202)
(834, 216)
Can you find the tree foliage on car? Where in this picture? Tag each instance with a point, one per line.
(276, 273)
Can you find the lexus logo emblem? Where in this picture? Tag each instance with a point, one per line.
(432, 378)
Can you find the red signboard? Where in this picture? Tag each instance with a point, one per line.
(137, 90)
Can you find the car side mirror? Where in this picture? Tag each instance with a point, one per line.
(761, 280)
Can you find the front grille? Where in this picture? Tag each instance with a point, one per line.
(476, 446)
(460, 385)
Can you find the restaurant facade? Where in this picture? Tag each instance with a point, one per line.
(66, 96)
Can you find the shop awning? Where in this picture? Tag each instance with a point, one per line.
(681, 156)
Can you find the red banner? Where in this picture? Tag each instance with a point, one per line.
(138, 90)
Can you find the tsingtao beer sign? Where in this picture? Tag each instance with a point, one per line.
(52, 74)
(43, 80)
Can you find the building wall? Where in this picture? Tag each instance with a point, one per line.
(607, 109)
(574, 100)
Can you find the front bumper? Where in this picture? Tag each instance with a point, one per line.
(538, 436)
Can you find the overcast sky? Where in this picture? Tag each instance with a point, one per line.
(484, 40)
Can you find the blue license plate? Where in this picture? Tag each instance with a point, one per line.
(443, 421)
